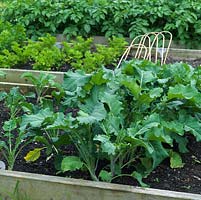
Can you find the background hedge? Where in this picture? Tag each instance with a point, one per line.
(107, 17)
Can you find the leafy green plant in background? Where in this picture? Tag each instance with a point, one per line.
(79, 54)
(76, 50)
(44, 54)
(11, 33)
(113, 51)
(13, 58)
(108, 18)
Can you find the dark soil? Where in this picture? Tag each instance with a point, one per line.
(186, 179)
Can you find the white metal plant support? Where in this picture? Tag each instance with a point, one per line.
(150, 46)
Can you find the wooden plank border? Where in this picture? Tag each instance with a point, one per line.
(43, 187)
(179, 54)
(14, 75)
(6, 86)
(186, 54)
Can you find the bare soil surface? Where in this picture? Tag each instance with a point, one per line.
(186, 179)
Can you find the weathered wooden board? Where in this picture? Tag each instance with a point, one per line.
(42, 187)
(180, 54)
(185, 54)
(6, 86)
(14, 75)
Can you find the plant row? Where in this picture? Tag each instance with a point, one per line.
(47, 54)
(107, 17)
(122, 122)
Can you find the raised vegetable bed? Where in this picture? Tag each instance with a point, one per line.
(72, 78)
(136, 124)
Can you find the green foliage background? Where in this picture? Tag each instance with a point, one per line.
(107, 17)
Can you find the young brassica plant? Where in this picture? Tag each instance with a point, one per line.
(42, 83)
(12, 140)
